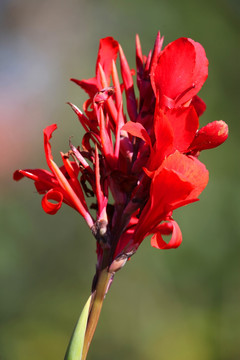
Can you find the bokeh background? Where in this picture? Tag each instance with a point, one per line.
(182, 304)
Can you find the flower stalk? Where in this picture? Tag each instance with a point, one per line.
(103, 283)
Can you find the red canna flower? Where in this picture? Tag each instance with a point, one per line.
(146, 156)
(137, 164)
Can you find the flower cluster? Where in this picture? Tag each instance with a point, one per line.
(141, 163)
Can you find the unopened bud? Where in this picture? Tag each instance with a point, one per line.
(210, 136)
(103, 95)
(118, 263)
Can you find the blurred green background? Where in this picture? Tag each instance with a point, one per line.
(182, 304)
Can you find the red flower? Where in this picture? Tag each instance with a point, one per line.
(146, 156)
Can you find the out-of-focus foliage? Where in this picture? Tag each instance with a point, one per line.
(181, 304)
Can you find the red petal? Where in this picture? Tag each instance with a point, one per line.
(199, 105)
(178, 181)
(138, 130)
(167, 190)
(47, 132)
(139, 57)
(72, 170)
(108, 51)
(82, 118)
(181, 71)
(48, 206)
(156, 52)
(164, 139)
(90, 85)
(189, 169)
(184, 123)
(176, 239)
(128, 85)
(44, 180)
(106, 141)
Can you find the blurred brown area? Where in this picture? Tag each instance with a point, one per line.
(181, 304)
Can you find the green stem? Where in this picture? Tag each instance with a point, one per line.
(100, 292)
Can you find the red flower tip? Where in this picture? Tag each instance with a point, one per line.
(17, 175)
(210, 136)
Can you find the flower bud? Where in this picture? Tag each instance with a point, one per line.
(210, 136)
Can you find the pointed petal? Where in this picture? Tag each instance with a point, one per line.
(156, 52)
(128, 85)
(106, 141)
(139, 58)
(108, 51)
(73, 172)
(44, 180)
(75, 201)
(90, 85)
(116, 84)
(81, 117)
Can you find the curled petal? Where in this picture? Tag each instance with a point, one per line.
(47, 133)
(52, 207)
(176, 238)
